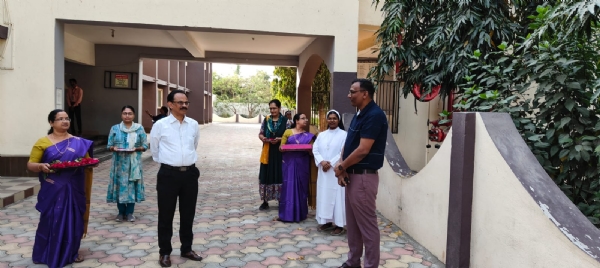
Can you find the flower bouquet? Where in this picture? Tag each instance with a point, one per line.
(79, 162)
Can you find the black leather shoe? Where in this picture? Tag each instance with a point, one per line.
(192, 256)
(165, 261)
(345, 265)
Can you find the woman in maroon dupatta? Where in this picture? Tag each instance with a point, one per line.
(61, 200)
(293, 205)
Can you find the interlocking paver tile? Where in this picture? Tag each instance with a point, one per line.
(213, 259)
(233, 262)
(416, 265)
(113, 258)
(289, 248)
(395, 264)
(273, 261)
(229, 230)
(294, 263)
(410, 259)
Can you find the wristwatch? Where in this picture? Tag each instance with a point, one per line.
(340, 168)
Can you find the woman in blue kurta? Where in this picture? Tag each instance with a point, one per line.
(127, 141)
(62, 199)
(293, 205)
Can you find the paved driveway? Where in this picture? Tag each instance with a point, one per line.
(229, 229)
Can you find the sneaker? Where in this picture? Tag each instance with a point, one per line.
(130, 218)
(119, 218)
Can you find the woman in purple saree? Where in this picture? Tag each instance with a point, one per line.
(61, 200)
(293, 205)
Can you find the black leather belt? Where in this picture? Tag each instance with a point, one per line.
(361, 171)
(177, 168)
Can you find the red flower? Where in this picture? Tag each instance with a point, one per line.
(80, 162)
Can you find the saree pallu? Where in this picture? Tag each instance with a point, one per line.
(62, 205)
(293, 205)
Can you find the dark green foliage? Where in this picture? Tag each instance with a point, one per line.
(543, 70)
(283, 87)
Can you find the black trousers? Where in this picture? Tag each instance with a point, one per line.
(75, 114)
(171, 184)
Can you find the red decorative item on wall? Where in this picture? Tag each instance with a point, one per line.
(435, 91)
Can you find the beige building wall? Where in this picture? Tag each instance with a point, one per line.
(35, 58)
(509, 229)
(79, 50)
(369, 14)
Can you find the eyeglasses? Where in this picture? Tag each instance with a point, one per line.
(350, 92)
(63, 119)
(126, 113)
(271, 108)
(181, 103)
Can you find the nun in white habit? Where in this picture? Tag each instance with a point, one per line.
(331, 207)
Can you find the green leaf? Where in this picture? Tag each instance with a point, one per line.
(550, 133)
(585, 155)
(535, 137)
(541, 145)
(574, 85)
(564, 121)
(564, 139)
(503, 45)
(554, 150)
(569, 104)
(561, 78)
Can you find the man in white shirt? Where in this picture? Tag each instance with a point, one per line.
(173, 144)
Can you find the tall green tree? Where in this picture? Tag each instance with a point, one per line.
(234, 91)
(283, 86)
(549, 48)
(438, 36)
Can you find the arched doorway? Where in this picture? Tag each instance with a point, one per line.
(321, 92)
(314, 91)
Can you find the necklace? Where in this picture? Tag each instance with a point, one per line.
(273, 126)
(66, 148)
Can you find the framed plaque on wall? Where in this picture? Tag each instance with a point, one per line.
(120, 80)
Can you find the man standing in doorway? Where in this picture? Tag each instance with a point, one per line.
(163, 113)
(74, 98)
(362, 156)
(173, 143)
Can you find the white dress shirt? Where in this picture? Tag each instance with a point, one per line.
(174, 143)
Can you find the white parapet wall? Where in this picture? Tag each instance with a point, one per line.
(232, 119)
(218, 119)
(511, 227)
(253, 120)
(419, 204)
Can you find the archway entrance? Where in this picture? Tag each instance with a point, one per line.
(320, 96)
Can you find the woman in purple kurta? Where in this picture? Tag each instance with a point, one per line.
(293, 205)
(61, 200)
